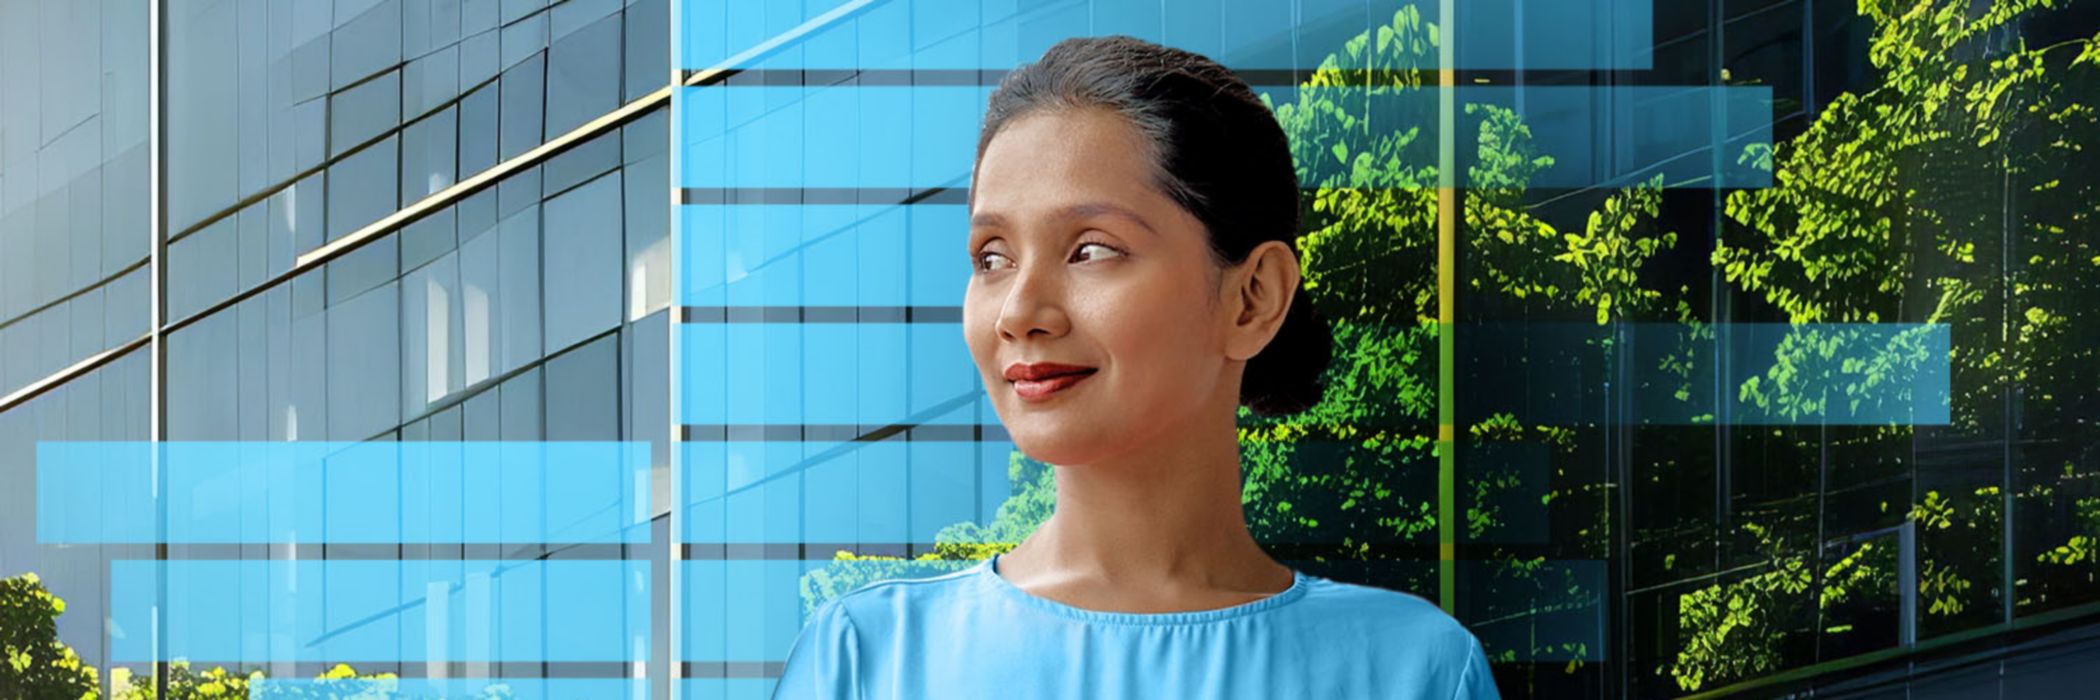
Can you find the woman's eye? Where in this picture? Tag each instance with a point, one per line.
(1111, 252)
(990, 260)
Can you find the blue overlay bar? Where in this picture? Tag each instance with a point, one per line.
(829, 136)
(897, 138)
(823, 255)
(824, 373)
(1777, 374)
(1242, 34)
(887, 491)
(343, 493)
(363, 611)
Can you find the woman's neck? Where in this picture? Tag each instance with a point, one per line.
(1165, 519)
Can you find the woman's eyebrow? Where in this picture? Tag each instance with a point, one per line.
(1068, 212)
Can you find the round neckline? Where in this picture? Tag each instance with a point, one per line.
(1300, 581)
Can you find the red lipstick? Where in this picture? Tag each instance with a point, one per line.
(1039, 380)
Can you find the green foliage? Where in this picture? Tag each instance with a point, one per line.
(2081, 548)
(1741, 628)
(34, 664)
(1368, 249)
(339, 683)
(1609, 253)
(1817, 364)
(1958, 537)
(1893, 204)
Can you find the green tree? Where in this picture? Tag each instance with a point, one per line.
(37, 666)
(338, 683)
(1950, 192)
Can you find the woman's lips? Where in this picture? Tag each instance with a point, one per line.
(1039, 389)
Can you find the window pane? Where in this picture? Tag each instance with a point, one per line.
(202, 130)
(364, 381)
(522, 94)
(583, 392)
(431, 352)
(199, 267)
(647, 47)
(583, 75)
(427, 238)
(429, 81)
(584, 233)
(648, 236)
(359, 113)
(363, 187)
(583, 162)
(427, 150)
(366, 44)
(477, 130)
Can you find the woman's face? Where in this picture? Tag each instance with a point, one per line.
(1081, 261)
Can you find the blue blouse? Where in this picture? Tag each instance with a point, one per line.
(973, 634)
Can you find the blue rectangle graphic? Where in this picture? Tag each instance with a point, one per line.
(364, 611)
(825, 373)
(889, 492)
(823, 254)
(842, 136)
(1557, 136)
(342, 493)
(1774, 374)
(888, 139)
(1241, 34)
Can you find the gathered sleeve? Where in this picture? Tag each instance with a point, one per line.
(824, 660)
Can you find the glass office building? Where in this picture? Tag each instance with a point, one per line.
(586, 346)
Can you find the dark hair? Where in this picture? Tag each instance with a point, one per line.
(1217, 151)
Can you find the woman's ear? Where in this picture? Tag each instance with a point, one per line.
(1259, 294)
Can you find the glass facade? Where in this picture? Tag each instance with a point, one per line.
(1682, 348)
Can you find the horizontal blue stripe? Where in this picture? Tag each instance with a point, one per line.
(1808, 374)
(898, 137)
(726, 688)
(839, 492)
(831, 373)
(359, 611)
(1610, 136)
(1243, 34)
(823, 255)
(342, 493)
(442, 688)
(838, 136)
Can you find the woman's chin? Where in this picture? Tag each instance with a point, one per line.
(1053, 445)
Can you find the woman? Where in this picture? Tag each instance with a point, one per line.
(1133, 285)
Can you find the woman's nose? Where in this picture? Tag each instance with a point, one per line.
(1033, 304)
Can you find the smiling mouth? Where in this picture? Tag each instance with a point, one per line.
(1044, 387)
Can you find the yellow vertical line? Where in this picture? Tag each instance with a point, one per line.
(1446, 303)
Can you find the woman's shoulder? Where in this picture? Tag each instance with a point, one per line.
(1397, 613)
(888, 597)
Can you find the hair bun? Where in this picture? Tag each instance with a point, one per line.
(1290, 375)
